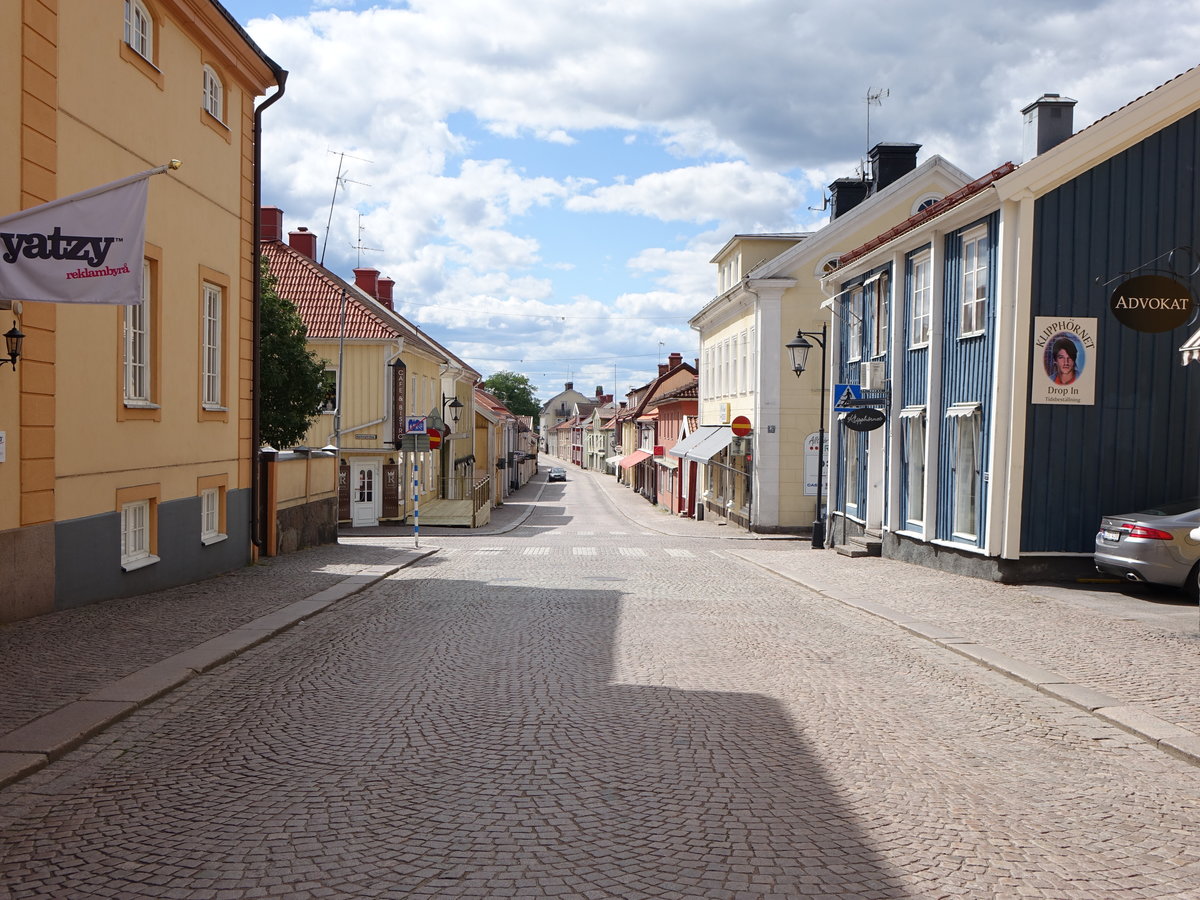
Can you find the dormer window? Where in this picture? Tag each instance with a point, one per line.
(139, 29)
(214, 94)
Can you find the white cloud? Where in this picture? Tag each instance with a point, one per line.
(742, 111)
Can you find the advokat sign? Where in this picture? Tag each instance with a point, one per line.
(1152, 303)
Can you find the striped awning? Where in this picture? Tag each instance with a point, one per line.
(1191, 349)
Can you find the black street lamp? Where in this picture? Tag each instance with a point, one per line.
(13, 339)
(454, 405)
(799, 346)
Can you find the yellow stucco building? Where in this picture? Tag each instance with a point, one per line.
(128, 431)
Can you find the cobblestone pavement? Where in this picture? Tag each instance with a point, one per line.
(599, 701)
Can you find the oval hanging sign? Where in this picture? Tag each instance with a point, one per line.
(864, 418)
(1152, 303)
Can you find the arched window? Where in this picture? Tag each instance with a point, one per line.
(925, 202)
(214, 94)
(139, 29)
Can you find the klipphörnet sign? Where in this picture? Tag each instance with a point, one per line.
(86, 248)
(1064, 361)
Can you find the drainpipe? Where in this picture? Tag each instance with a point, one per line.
(256, 491)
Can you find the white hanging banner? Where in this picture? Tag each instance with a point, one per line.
(85, 248)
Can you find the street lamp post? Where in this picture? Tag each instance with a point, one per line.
(799, 346)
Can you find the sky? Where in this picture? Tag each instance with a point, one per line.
(547, 181)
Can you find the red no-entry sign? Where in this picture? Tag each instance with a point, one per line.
(435, 438)
(740, 426)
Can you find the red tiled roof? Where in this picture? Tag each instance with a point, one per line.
(317, 293)
(944, 205)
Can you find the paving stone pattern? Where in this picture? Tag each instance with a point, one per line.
(494, 723)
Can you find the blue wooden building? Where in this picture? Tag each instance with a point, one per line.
(1022, 338)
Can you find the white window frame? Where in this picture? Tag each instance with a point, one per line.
(966, 459)
(854, 325)
(329, 404)
(139, 29)
(213, 98)
(852, 441)
(212, 347)
(136, 340)
(135, 535)
(973, 282)
(913, 419)
(921, 318)
(880, 312)
(210, 516)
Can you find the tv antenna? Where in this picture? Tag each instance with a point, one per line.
(339, 180)
(874, 98)
(359, 246)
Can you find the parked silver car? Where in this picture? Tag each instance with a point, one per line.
(557, 474)
(1158, 546)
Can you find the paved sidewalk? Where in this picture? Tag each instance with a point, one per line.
(1082, 644)
(70, 674)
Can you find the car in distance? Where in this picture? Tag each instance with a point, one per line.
(1160, 545)
(557, 474)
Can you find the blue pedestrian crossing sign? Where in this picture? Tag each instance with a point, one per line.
(844, 396)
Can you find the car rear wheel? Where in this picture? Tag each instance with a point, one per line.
(1192, 585)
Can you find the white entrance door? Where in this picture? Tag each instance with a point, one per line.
(364, 493)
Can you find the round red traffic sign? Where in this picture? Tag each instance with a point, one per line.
(435, 438)
(740, 426)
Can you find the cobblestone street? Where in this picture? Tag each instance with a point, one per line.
(601, 702)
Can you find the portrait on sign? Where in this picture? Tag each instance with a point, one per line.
(1064, 361)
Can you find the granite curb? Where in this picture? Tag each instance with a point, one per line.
(1166, 736)
(39, 742)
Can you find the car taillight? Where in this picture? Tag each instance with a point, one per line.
(1151, 534)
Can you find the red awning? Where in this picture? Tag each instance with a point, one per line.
(634, 458)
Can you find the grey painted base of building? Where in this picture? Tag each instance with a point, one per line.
(1027, 570)
(87, 552)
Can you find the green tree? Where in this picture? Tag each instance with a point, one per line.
(516, 392)
(292, 379)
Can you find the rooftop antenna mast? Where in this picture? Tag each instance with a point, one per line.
(359, 246)
(339, 180)
(874, 98)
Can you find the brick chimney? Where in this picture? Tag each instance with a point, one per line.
(845, 194)
(675, 360)
(385, 292)
(270, 223)
(662, 368)
(303, 241)
(367, 280)
(891, 162)
(1049, 120)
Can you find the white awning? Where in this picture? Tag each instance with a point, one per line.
(666, 462)
(716, 440)
(613, 460)
(962, 409)
(1191, 349)
(912, 412)
(682, 447)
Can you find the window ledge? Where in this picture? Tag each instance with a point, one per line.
(211, 539)
(212, 407)
(972, 334)
(141, 404)
(134, 564)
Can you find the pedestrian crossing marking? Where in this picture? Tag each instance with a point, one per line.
(631, 551)
(583, 551)
(679, 554)
(537, 551)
